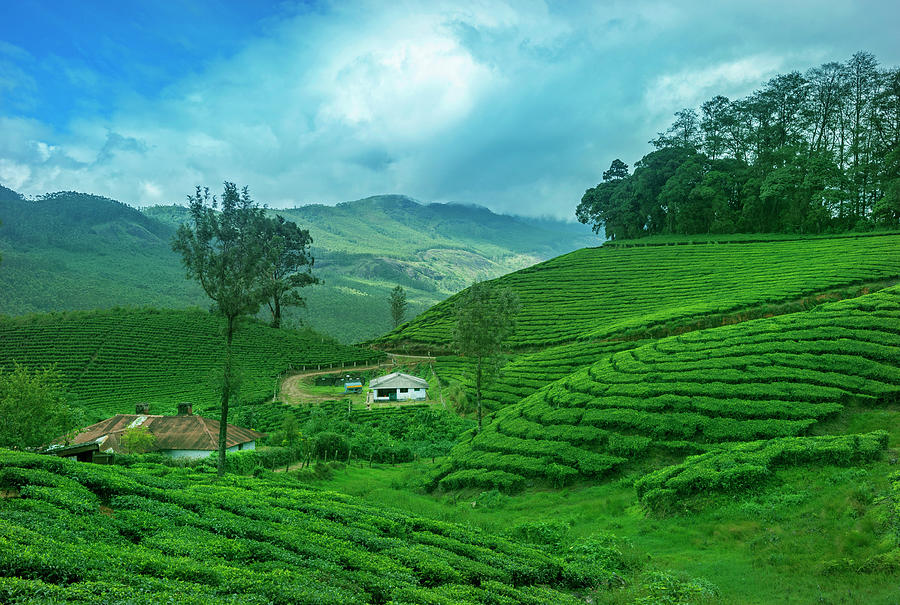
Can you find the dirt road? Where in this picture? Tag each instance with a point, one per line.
(296, 388)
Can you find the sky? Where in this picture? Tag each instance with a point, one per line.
(517, 106)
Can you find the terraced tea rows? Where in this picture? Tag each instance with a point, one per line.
(524, 374)
(595, 293)
(764, 379)
(77, 533)
(113, 359)
(745, 465)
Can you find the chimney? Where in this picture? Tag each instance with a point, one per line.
(185, 409)
(142, 409)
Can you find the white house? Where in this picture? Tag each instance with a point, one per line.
(399, 387)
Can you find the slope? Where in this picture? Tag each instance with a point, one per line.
(84, 533)
(71, 251)
(78, 251)
(770, 381)
(365, 247)
(112, 359)
(587, 304)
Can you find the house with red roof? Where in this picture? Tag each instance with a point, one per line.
(181, 436)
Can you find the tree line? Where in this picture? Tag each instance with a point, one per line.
(808, 153)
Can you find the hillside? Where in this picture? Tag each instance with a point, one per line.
(747, 395)
(366, 247)
(77, 533)
(75, 251)
(590, 303)
(112, 359)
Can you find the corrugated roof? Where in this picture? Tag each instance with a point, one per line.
(398, 380)
(187, 432)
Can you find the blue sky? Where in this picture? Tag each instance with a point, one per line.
(518, 106)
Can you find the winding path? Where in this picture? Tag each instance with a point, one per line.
(294, 388)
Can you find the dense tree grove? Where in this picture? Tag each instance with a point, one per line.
(808, 153)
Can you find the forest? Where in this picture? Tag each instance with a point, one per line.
(813, 152)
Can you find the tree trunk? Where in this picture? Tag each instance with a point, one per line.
(276, 314)
(226, 395)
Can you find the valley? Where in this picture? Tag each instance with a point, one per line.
(689, 420)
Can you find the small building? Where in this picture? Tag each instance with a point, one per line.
(398, 387)
(355, 386)
(181, 436)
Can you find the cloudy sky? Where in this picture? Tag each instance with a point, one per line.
(518, 106)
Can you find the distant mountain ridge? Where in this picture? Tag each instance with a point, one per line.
(72, 250)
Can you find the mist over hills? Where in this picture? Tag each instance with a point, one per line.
(72, 250)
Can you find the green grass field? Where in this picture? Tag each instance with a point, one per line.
(112, 359)
(816, 534)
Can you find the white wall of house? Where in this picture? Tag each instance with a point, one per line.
(250, 445)
(402, 394)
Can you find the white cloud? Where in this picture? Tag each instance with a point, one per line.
(690, 86)
(14, 174)
(516, 105)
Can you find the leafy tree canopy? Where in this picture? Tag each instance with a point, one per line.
(807, 153)
(288, 264)
(485, 317)
(398, 305)
(33, 408)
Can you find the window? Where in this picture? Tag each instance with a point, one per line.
(404, 390)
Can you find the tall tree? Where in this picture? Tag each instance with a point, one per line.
(398, 305)
(224, 251)
(485, 317)
(600, 206)
(288, 265)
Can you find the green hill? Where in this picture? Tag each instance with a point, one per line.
(366, 247)
(112, 359)
(774, 379)
(72, 251)
(590, 303)
(77, 251)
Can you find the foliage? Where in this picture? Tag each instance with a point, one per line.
(138, 440)
(748, 465)
(398, 305)
(109, 360)
(485, 318)
(74, 251)
(226, 253)
(288, 264)
(34, 408)
(808, 153)
(612, 293)
(84, 533)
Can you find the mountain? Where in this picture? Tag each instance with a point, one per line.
(77, 251)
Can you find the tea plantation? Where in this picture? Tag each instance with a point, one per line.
(710, 391)
(596, 293)
(112, 359)
(76, 533)
(615, 298)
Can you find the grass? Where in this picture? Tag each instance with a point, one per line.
(772, 545)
